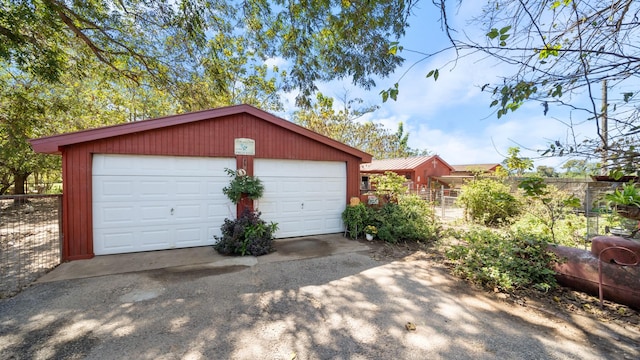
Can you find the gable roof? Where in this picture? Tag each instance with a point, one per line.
(408, 163)
(474, 167)
(54, 144)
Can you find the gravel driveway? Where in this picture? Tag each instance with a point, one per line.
(340, 306)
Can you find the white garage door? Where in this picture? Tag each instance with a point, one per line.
(143, 203)
(303, 197)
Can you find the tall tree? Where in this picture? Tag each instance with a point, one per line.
(579, 168)
(515, 164)
(546, 171)
(345, 126)
(22, 111)
(398, 145)
(321, 40)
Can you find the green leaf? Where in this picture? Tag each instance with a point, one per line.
(617, 174)
(435, 73)
(393, 48)
(390, 93)
(573, 202)
(505, 29)
(385, 95)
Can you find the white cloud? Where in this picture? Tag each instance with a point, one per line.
(451, 116)
(276, 61)
(490, 143)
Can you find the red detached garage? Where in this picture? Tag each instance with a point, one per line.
(157, 184)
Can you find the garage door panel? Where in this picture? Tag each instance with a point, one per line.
(116, 216)
(288, 207)
(188, 187)
(291, 188)
(153, 213)
(114, 190)
(310, 206)
(160, 165)
(312, 226)
(188, 236)
(334, 205)
(189, 213)
(115, 242)
(303, 197)
(214, 186)
(288, 228)
(267, 207)
(220, 211)
(188, 165)
(275, 168)
(332, 186)
(151, 187)
(334, 224)
(154, 239)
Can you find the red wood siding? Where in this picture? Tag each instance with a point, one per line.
(429, 170)
(209, 138)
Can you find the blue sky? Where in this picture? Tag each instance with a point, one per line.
(451, 117)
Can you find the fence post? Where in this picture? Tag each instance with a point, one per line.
(442, 200)
(60, 234)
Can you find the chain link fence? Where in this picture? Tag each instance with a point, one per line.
(598, 214)
(30, 239)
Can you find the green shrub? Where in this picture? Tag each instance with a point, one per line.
(411, 219)
(389, 186)
(550, 217)
(503, 260)
(553, 208)
(356, 218)
(246, 235)
(630, 195)
(488, 202)
(569, 229)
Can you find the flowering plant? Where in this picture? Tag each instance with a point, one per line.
(370, 229)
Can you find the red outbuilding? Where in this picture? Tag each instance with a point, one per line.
(157, 184)
(420, 171)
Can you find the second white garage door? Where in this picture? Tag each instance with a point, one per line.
(303, 197)
(143, 203)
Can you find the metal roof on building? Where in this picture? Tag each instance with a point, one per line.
(407, 163)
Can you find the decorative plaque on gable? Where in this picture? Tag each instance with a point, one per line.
(243, 146)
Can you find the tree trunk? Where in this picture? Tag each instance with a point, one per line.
(18, 184)
(18, 188)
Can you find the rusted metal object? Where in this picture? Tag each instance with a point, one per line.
(583, 270)
(600, 243)
(618, 250)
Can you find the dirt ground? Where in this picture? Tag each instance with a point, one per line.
(29, 244)
(344, 305)
(562, 301)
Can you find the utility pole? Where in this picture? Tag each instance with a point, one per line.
(604, 128)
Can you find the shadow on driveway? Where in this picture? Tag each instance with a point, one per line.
(343, 305)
